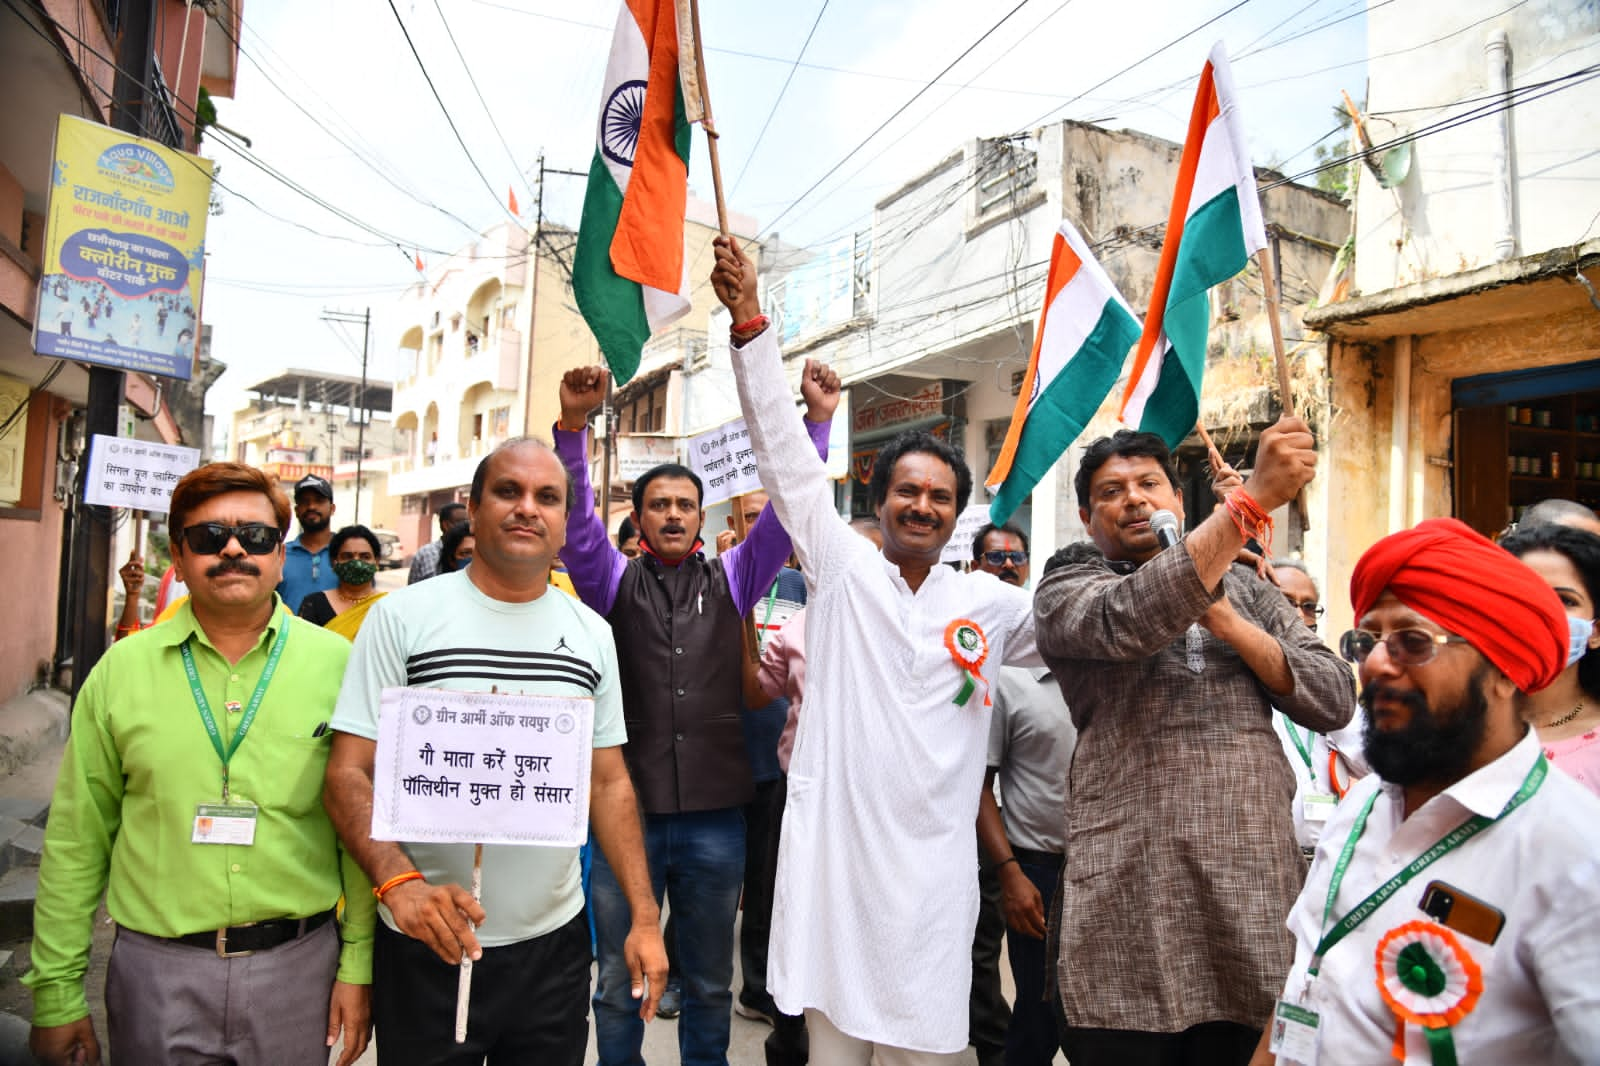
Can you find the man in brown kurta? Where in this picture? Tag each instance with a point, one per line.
(1181, 856)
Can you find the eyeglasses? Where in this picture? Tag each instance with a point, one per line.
(1310, 608)
(1002, 558)
(1407, 647)
(209, 538)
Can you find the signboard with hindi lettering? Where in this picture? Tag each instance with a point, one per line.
(958, 549)
(124, 472)
(481, 768)
(725, 461)
(124, 252)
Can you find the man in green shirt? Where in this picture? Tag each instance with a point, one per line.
(190, 797)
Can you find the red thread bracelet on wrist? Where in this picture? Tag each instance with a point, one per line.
(397, 879)
(1251, 521)
(755, 325)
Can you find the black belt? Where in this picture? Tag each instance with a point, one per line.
(1036, 858)
(257, 936)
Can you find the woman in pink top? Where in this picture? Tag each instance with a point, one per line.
(1566, 715)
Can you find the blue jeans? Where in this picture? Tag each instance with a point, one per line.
(1033, 1038)
(697, 860)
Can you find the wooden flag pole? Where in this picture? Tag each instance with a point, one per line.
(706, 122)
(1269, 292)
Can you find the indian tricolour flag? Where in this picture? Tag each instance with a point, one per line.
(1084, 334)
(1214, 229)
(629, 273)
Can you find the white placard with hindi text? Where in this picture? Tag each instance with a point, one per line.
(476, 768)
(124, 472)
(958, 549)
(725, 461)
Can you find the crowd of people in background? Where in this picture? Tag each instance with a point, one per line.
(1203, 831)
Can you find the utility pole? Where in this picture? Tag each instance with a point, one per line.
(89, 563)
(360, 406)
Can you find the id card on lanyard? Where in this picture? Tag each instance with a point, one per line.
(229, 823)
(1295, 1026)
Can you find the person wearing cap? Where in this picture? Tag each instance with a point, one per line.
(307, 567)
(1452, 912)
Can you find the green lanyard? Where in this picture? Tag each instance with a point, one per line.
(251, 708)
(1302, 746)
(1449, 842)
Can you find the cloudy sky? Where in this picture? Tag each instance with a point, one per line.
(337, 110)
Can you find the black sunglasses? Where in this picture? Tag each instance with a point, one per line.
(209, 538)
(1001, 558)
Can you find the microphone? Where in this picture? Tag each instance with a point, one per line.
(1165, 525)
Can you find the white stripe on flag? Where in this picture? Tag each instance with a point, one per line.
(629, 61)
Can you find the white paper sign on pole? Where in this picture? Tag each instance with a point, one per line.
(476, 768)
(135, 473)
(725, 462)
(959, 547)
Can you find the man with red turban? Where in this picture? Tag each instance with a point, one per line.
(1453, 909)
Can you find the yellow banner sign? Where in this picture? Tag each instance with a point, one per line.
(124, 252)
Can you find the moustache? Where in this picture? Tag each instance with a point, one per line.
(920, 520)
(673, 530)
(1414, 702)
(1010, 575)
(234, 566)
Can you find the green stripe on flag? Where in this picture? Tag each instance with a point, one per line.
(1211, 252)
(612, 305)
(1065, 407)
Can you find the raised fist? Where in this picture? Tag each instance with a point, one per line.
(583, 390)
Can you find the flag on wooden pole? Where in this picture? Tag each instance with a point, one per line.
(1213, 230)
(629, 269)
(1083, 337)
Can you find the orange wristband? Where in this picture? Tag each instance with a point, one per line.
(397, 879)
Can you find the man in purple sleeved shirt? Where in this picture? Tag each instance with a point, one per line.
(678, 622)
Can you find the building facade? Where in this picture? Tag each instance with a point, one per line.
(61, 56)
(1465, 361)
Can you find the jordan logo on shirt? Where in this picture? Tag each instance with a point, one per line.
(562, 643)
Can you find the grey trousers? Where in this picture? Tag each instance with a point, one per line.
(173, 1004)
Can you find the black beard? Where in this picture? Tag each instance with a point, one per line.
(1431, 746)
(313, 524)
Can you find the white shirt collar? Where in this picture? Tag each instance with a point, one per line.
(1487, 791)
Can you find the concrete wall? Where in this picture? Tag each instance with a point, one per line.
(1445, 218)
(34, 546)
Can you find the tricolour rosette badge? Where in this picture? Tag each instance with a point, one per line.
(1429, 979)
(969, 648)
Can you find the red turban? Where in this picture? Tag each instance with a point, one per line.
(1474, 588)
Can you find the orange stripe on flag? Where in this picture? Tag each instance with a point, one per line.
(1206, 109)
(1064, 265)
(648, 244)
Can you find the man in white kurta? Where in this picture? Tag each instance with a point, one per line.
(876, 895)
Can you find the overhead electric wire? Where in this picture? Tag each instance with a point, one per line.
(406, 249)
(359, 156)
(750, 157)
(446, 111)
(488, 112)
(771, 226)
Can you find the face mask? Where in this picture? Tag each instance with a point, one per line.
(355, 571)
(1578, 632)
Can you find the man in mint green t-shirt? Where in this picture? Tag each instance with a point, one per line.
(498, 623)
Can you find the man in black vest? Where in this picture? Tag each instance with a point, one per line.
(677, 619)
